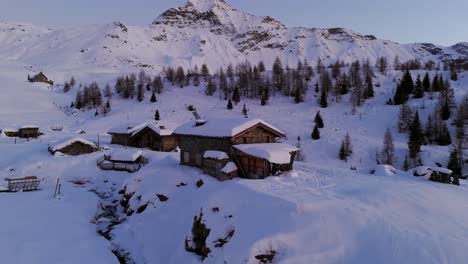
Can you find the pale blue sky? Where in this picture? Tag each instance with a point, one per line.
(405, 21)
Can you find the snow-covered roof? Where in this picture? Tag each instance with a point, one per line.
(229, 167)
(122, 128)
(222, 127)
(29, 127)
(442, 170)
(277, 153)
(130, 155)
(10, 130)
(67, 142)
(161, 128)
(214, 154)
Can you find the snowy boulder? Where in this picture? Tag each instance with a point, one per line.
(385, 170)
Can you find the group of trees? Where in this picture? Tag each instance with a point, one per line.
(88, 97)
(133, 86)
(407, 88)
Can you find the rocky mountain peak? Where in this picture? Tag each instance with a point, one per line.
(203, 6)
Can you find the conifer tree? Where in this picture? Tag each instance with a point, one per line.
(454, 163)
(156, 115)
(342, 152)
(388, 151)
(369, 91)
(323, 99)
(72, 81)
(210, 87)
(315, 133)
(435, 83)
(418, 88)
(66, 87)
(415, 140)
(236, 95)
(406, 164)
(229, 105)
(140, 92)
(107, 91)
(153, 98)
(405, 118)
(318, 120)
(245, 111)
(426, 83)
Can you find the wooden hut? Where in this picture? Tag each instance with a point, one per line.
(40, 77)
(130, 160)
(73, 147)
(155, 136)
(29, 131)
(224, 135)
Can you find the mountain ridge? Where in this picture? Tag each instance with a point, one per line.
(203, 31)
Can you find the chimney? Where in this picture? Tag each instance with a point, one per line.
(198, 120)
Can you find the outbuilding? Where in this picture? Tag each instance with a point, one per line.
(73, 146)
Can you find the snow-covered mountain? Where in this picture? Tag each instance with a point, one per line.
(202, 31)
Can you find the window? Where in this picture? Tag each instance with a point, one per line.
(186, 157)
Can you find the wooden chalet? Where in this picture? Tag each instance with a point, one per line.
(40, 77)
(73, 147)
(230, 136)
(155, 136)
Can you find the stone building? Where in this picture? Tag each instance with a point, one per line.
(198, 139)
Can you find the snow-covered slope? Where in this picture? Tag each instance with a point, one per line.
(201, 31)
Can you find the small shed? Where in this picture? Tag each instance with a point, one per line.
(29, 131)
(10, 132)
(130, 160)
(73, 146)
(441, 175)
(219, 165)
(258, 161)
(40, 77)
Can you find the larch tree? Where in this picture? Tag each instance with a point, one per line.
(415, 140)
(388, 150)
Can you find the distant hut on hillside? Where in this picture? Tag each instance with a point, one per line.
(40, 77)
(73, 147)
(29, 131)
(155, 136)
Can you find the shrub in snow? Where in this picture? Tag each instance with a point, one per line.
(200, 233)
(267, 257)
(182, 184)
(162, 197)
(200, 183)
(219, 243)
(142, 208)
